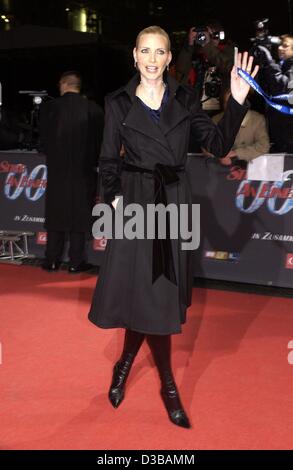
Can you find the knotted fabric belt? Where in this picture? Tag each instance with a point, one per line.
(164, 175)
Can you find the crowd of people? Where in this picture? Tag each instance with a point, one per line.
(205, 66)
(197, 64)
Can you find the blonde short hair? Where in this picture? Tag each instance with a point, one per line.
(154, 30)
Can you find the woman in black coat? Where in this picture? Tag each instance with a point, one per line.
(145, 284)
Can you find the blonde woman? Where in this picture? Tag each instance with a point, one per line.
(145, 285)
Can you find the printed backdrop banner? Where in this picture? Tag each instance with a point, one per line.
(246, 226)
(23, 179)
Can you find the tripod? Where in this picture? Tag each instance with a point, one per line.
(34, 137)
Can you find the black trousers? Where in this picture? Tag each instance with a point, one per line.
(55, 246)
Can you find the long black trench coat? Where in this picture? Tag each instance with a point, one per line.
(71, 132)
(126, 295)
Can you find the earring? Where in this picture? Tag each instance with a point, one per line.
(168, 68)
(135, 64)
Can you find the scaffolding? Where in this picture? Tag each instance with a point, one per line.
(14, 246)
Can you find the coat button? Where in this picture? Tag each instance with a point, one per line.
(123, 123)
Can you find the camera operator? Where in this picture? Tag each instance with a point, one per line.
(206, 59)
(277, 78)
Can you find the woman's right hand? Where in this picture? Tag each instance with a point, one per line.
(228, 159)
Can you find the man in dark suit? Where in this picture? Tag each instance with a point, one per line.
(71, 131)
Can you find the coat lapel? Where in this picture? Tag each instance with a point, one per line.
(172, 114)
(138, 118)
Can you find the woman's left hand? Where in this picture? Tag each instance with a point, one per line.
(239, 87)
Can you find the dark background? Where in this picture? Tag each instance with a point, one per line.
(122, 19)
(107, 64)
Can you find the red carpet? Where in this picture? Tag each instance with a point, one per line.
(231, 365)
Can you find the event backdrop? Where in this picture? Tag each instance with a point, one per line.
(246, 226)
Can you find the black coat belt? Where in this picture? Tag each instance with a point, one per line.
(164, 175)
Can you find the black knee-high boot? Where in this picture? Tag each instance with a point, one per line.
(132, 342)
(161, 351)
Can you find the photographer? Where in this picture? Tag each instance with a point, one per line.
(277, 78)
(206, 59)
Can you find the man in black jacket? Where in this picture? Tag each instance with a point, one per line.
(71, 131)
(277, 78)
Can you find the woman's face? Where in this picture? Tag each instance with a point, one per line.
(152, 56)
(286, 49)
